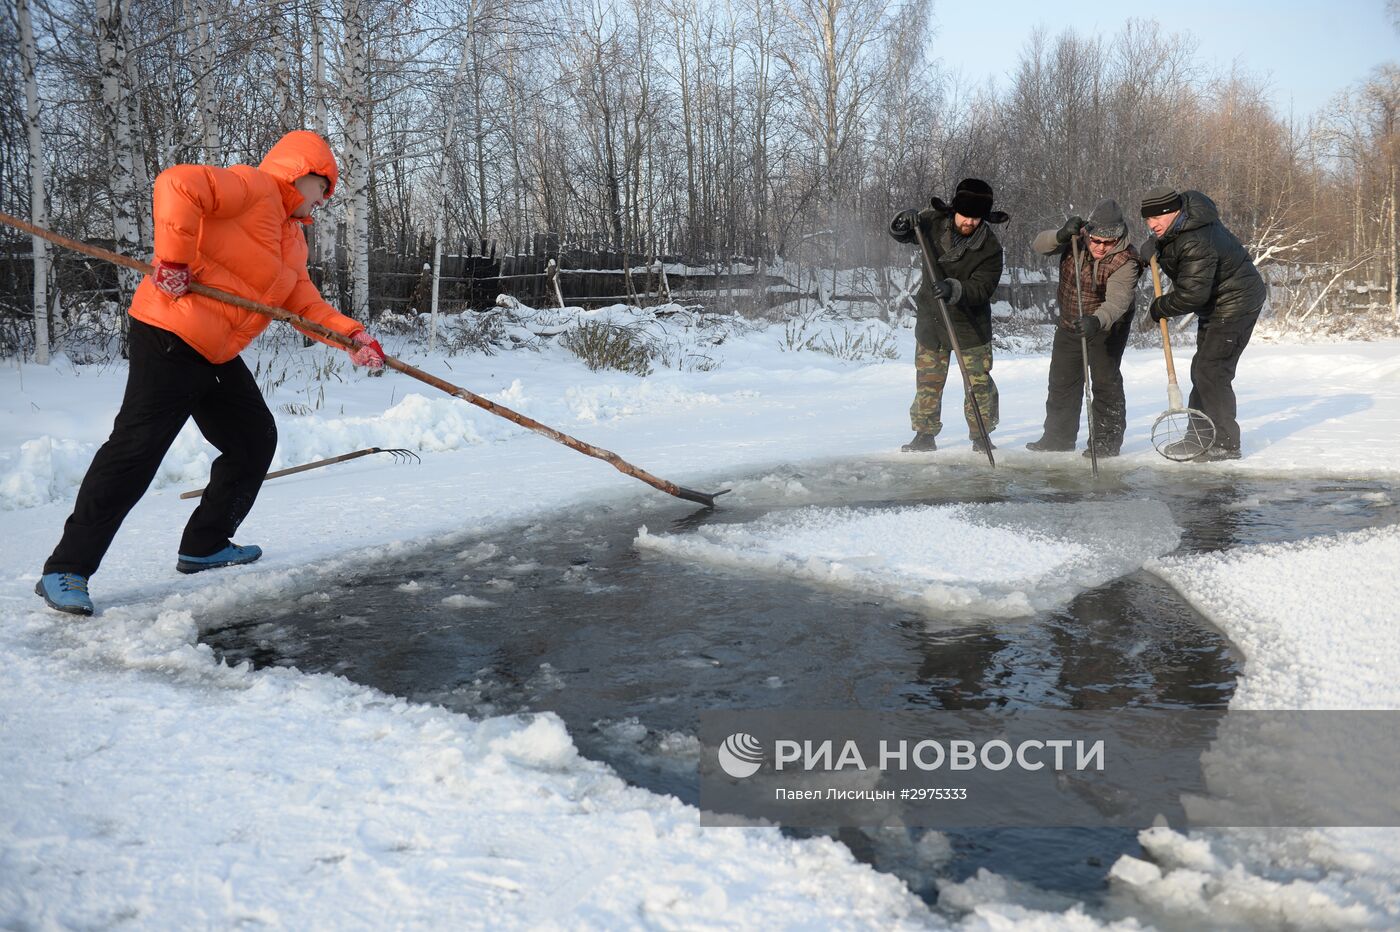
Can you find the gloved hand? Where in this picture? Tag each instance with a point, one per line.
(173, 278)
(1147, 250)
(1067, 232)
(367, 351)
(1157, 310)
(943, 289)
(1086, 326)
(904, 221)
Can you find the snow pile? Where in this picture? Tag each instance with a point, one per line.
(1000, 561)
(46, 469)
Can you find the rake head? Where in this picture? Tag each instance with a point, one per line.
(400, 456)
(1182, 434)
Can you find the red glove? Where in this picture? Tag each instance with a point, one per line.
(173, 278)
(367, 351)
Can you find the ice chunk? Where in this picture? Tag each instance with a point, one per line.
(1001, 560)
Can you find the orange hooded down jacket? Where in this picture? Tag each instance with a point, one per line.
(234, 228)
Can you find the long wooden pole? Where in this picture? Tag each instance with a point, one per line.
(1173, 390)
(310, 326)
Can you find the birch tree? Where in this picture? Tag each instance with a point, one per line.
(354, 81)
(323, 235)
(113, 48)
(38, 204)
(201, 38)
(832, 60)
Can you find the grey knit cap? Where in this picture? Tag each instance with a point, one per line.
(1159, 201)
(1106, 222)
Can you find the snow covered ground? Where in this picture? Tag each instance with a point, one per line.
(144, 784)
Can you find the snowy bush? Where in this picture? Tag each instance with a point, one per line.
(871, 343)
(89, 333)
(843, 338)
(482, 332)
(603, 345)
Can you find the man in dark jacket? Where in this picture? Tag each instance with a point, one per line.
(1213, 278)
(970, 259)
(1096, 307)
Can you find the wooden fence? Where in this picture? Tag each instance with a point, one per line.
(538, 271)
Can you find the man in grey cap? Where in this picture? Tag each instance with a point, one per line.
(1213, 278)
(1096, 306)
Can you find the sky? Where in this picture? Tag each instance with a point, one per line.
(1309, 50)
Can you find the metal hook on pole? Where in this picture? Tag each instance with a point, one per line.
(1084, 357)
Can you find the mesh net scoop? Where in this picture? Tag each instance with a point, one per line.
(1183, 434)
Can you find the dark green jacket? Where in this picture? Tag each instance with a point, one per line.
(975, 273)
(1212, 274)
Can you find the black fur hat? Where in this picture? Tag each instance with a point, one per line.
(973, 198)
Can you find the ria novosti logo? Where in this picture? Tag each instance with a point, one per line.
(740, 755)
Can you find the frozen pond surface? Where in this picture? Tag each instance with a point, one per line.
(628, 644)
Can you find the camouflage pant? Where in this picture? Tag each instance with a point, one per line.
(931, 372)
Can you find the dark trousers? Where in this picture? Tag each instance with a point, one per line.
(1219, 344)
(168, 383)
(1065, 396)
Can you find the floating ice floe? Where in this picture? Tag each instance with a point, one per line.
(999, 561)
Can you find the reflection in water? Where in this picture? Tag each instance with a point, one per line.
(565, 616)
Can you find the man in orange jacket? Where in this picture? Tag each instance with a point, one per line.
(237, 229)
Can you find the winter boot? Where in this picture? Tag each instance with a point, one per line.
(922, 443)
(66, 592)
(1102, 450)
(1217, 453)
(979, 447)
(1046, 445)
(1187, 448)
(232, 555)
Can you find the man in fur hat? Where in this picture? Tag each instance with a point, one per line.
(1096, 313)
(970, 259)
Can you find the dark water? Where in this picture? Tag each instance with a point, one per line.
(565, 615)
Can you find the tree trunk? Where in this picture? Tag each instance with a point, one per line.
(1394, 256)
(112, 52)
(38, 207)
(478, 133)
(282, 87)
(440, 209)
(201, 39)
(357, 168)
(323, 231)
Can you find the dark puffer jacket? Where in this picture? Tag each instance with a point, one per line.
(1212, 274)
(977, 272)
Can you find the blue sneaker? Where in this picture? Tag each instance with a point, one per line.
(66, 592)
(232, 555)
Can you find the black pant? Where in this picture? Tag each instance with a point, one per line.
(1065, 396)
(1219, 344)
(168, 383)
